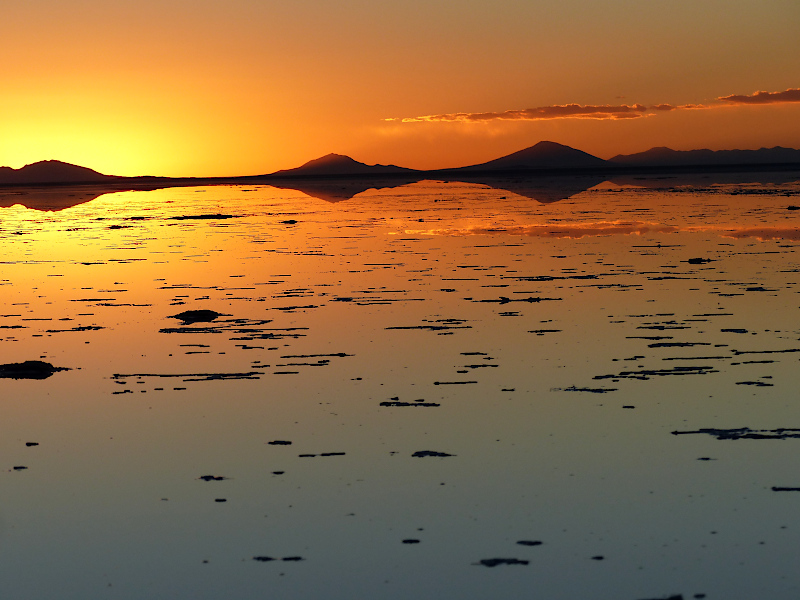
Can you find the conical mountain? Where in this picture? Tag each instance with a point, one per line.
(542, 156)
(338, 165)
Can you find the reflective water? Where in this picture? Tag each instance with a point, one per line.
(539, 356)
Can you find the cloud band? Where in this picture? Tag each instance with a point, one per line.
(603, 111)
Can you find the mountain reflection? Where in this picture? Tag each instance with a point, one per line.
(541, 189)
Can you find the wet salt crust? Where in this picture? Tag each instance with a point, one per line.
(221, 389)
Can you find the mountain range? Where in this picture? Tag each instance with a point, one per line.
(544, 158)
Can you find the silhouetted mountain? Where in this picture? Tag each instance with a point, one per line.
(540, 157)
(338, 165)
(50, 171)
(666, 157)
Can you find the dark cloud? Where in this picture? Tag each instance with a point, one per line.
(790, 95)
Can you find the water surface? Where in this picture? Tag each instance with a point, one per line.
(541, 357)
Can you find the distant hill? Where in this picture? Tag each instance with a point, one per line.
(50, 171)
(338, 165)
(666, 157)
(542, 156)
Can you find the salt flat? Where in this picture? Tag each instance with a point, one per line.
(400, 394)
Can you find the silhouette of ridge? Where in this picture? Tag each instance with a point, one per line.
(338, 165)
(50, 171)
(661, 156)
(542, 156)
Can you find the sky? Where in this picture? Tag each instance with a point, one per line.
(242, 87)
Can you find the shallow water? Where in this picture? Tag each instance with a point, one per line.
(549, 350)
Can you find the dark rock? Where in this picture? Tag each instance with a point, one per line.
(423, 453)
(211, 478)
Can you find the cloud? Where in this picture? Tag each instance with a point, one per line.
(606, 228)
(602, 111)
(561, 111)
(790, 95)
(766, 233)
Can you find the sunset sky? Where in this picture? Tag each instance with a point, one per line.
(206, 87)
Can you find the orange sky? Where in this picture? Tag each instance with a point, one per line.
(205, 87)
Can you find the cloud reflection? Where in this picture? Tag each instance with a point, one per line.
(601, 229)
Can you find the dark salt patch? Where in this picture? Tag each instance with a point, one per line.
(263, 558)
(697, 358)
(79, 328)
(644, 375)
(424, 453)
(411, 541)
(572, 388)
(279, 443)
(733, 330)
(415, 403)
(529, 543)
(740, 352)
(31, 443)
(220, 499)
(20, 468)
(453, 382)
(30, 369)
(698, 261)
(543, 331)
(332, 454)
(755, 383)
(212, 478)
(292, 558)
(785, 489)
(493, 562)
(677, 344)
(338, 354)
(531, 299)
(194, 376)
(197, 316)
(200, 217)
(599, 557)
(745, 433)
